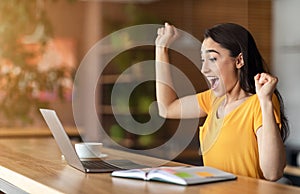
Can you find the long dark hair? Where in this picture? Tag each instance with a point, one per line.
(238, 40)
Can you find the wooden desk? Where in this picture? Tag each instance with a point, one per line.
(34, 132)
(36, 166)
(292, 170)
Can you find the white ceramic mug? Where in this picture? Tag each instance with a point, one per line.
(89, 150)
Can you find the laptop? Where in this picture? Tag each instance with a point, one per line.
(67, 149)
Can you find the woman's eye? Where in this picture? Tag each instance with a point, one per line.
(213, 59)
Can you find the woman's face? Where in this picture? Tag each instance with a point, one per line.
(218, 67)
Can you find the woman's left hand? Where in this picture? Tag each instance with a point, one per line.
(265, 85)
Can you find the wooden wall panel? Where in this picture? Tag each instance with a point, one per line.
(194, 16)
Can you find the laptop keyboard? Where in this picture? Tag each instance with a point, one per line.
(99, 164)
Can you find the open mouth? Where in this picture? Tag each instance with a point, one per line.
(214, 81)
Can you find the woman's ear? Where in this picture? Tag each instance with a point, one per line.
(239, 61)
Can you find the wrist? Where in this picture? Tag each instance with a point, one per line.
(266, 104)
(161, 49)
(161, 54)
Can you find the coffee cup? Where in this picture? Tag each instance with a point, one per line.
(89, 150)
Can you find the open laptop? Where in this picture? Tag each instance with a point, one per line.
(67, 149)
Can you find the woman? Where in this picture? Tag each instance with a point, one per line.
(245, 126)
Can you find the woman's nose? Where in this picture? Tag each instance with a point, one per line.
(204, 68)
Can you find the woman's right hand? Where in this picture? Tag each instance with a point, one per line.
(166, 35)
(169, 105)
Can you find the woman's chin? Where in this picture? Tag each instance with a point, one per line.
(218, 92)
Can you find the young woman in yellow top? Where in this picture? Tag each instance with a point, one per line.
(245, 126)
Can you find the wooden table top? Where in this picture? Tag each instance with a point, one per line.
(36, 166)
(14, 132)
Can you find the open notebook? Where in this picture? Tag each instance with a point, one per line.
(185, 175)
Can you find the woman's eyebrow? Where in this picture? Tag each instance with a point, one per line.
(211, 51)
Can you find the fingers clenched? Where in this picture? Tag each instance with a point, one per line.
(166, 35)
(265, 84)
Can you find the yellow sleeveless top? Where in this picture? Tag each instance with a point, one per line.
(230, 143)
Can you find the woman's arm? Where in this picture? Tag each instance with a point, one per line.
(270, 144)
(169, 105)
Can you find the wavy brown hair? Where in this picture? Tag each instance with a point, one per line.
(238, 40)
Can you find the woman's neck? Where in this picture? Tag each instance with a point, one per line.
(236, 94)
(232, 100)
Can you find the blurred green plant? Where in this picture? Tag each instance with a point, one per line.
(143, 95)
(24, 34)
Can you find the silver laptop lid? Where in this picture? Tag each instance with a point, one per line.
(62, 138)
